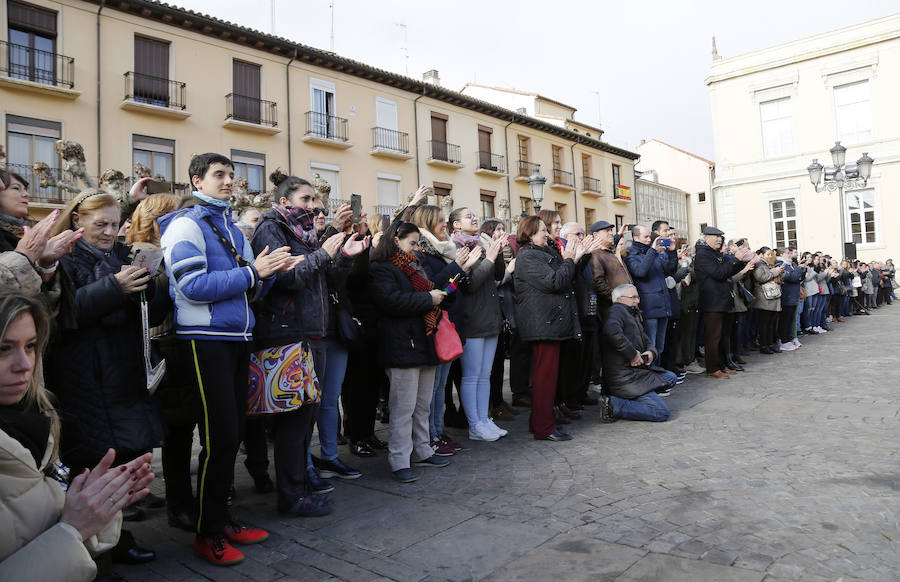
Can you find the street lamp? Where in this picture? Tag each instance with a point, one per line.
(839, 176)
(536, 185)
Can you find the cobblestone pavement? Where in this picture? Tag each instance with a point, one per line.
(790, 471)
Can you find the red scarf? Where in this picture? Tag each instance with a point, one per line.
(404, 262)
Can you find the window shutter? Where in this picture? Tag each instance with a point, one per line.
(32, 18)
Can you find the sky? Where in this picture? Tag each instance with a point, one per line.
(636, 68)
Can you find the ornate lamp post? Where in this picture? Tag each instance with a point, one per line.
(839, 176)
(536, 185)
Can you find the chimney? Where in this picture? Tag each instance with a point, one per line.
(522, 111)
(432, 77)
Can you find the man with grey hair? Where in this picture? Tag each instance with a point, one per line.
(631, 377)
(571, 229)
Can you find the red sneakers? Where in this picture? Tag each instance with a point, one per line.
(217, 551)
(238, 534)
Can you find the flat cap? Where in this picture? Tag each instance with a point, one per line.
(713, 231)
(600, 225)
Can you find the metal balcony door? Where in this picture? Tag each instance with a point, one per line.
(322, 102)
(246, 105)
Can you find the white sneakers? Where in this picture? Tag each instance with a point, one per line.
(486, 430)
(820, 329)
(788, 347)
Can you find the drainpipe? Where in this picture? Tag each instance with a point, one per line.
(508, 187)
(575, 192)
(99, 167)
(416, 128)
(712, 196)
(287, 80)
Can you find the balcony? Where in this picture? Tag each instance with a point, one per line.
(328, 130)
(389, 143)
(622, 194)
(526, 169)
(591, 186)
(39, 71)
(387, 210)
(490, 164)
(563, 180)
(250, 114)
(38, 196)
(156, 95)
(444, 154)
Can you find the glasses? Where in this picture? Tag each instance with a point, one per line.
(318, 211)
(469, 216)
(631, 296)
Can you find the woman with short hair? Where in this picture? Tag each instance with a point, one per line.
(767, 276)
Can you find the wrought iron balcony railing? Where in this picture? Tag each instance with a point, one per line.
(251, 110)
(527, 168)
(326, 126)
(155, 90)
(445, 152)
(591, 184)
(390, 140)
(31, 64)
(563, 177)
(51, 194)
(489, 161)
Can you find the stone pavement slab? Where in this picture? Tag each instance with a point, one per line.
(789, 471)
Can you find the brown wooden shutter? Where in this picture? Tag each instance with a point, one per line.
(151, 67)
(246, 91)
(31, 18)
(438, 138)
(484, 148)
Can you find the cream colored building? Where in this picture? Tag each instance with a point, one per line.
(776, 109)
(142, 81)
(656, 201)
(686, 172)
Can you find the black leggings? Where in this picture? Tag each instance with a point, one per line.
(786, 320)
(767, 322)
(363, 384)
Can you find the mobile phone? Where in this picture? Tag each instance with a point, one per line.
(355, 208)
(156, 187)
(646, 358)
(683, 247)
(665, 242)
(629, 226)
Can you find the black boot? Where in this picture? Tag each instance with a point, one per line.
(732, 365)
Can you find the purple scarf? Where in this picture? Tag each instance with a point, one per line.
(467, 240)
(300, 220)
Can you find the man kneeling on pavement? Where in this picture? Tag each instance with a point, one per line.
(632, 382)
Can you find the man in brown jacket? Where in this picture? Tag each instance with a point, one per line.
(608, 270)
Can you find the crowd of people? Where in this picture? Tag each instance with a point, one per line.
(286, 320)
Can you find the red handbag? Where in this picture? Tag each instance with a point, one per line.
(447, 344)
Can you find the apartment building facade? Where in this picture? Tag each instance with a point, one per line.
(141, 81)
(777, 109)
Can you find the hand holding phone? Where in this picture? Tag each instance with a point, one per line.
(355, 208)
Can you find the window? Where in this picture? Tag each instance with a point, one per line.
(442, 189)
(246, 88)
(151, 71)
(386, 134)
(784, 222)
(157, 155)
(387, 191)
(526, 204)
(620, 222)
(701, 197)
(32, 39)
(484, 148)
(586, 165)
(557, 157)
(703, 226)
(487, 204)
(438, 136)
(563, 212)
(861, 208)
(251, 166)
(323, 108)
(523, 148)
(777, 127)
(331, 173)
(29, 141)
(853, 110)
(617, 176)
(588, 219)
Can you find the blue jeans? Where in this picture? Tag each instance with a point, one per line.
(475, 389)
(647, 407)
(656, 329)
(436, 416)
(335, 366)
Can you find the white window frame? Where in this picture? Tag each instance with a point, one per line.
(774, 222)
(250, 159)
(876, 208)
(855, 137)
(323, 127)
(782, 150)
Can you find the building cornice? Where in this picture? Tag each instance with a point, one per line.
(282, 47)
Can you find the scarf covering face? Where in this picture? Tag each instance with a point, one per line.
(300, 220)
(405, 262)
(107, 262)
(466, 240)
(431, 245)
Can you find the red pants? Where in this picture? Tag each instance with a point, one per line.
(545, 357)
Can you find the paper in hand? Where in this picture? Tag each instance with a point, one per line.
(148, 258)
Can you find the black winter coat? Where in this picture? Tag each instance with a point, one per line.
(714, 271)
(95, 366)
(401, 322)
(623, 338)
(297, 306)
(440, 272)
(545, 299)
